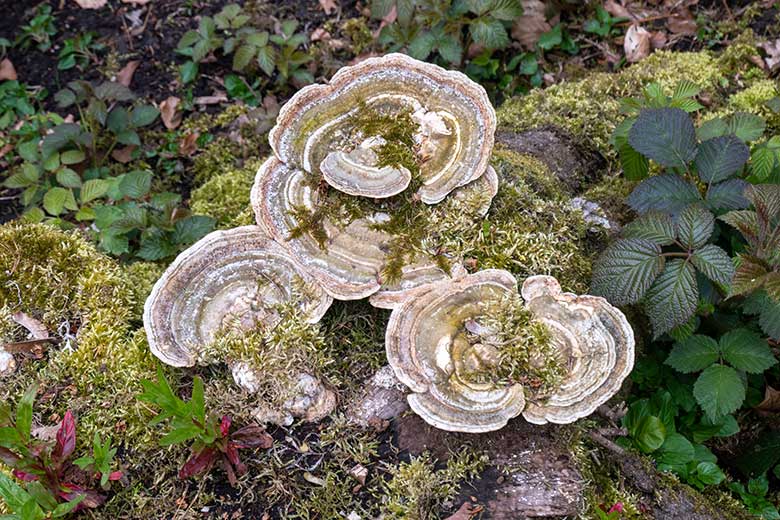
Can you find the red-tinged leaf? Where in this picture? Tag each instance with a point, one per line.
(92, 499)
(24, 476)
(8, 457)
(252, 436)
(198, 463)
(66, 438)
(115, 475)
(224, 426)
(231, 451)
(231, 475)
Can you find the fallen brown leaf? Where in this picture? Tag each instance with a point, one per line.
(170, 117)
(772, 50)
(389, 18)
(125, 76)
(531, 25)
(188, 144)
(7, 70)
(214, 99)
(658, 39)
(636, 44)
(319, 34)
(771, 402)
(36, 329)
(124, 155)
(617, 10)
(466, 512)
(682, 22)
(137, 2)
(359, 472)
(91, 4)
(329, 6)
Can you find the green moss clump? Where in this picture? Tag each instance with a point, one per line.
(526, 354)
(225, 197)
(418, 490)
(141, 277)
(359, 34)
(218, 156)
(590, 108)
(753, 99)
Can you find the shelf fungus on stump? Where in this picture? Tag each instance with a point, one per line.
(597, 344)
(475, 355)
(231, 278)
(323, 128)
(359, 165)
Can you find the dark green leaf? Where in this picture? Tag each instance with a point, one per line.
(650, 434)
(672, 299)
(653, 226)
(747, 127)
(422, 45)
(143, 115)
(505, 9)
(769, 319)
(694, 354)
(489, 32)
(712, 128)
(118, 120)
(551, 38)
(128, 137)
(112, 91)
(68, 178)
(719, 391)
(727, 195)
(192, 228)
(746, 350)
(93, 189)
(714, 263)
(635, 165)
(709, 473)
(665, 135)
(676, 451)
(626, 269)
(266, 59)
(12, 493)
(188, 72)
(243, 56)
(721, 157)
(695, 226)
(665, 193)
(136, 184)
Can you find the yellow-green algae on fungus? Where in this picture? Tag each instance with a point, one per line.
(225, 197)
(61, 279)
(589, 108)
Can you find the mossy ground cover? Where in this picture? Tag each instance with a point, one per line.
(93, 305)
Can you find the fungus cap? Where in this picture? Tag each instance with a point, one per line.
(230, 278)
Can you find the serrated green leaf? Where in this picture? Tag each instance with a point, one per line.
(762, 161)
(695, 226)
(676, 451)
(693, 354)
(266, 59)
(489, 32)
(665, 135)
(687, 105)
(769, 319)
(113, 243)
(712, 128)
(635, 165)
(189, 39)
(33, 215)
(192, 228)
(719, 391)
(727, 195)
(746, 350)
(72, 157)
(451, 49)
(626, 269)
(54, 200)
(551, 38)
(721, 157)
(650, 434)
(143, 115)
(714, 263)
(748, 276)
(685, 89)
(686, 330)
(654, 226)
(242, 56)
(672, 299)
(27, 176)
(155, 246)
(136, 184)
(665, 193)
(422, 45)
(12, 493)
(505, 9)
(747, 127)
(68, 178)
(93, 189)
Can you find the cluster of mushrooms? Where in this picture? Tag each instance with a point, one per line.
(237, 278)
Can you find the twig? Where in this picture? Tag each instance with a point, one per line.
(602, 441)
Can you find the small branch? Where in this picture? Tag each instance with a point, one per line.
(597, 437)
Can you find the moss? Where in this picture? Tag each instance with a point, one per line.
(525, 353)
(417, 489)
(753, 99)
(589, 108)
(218, 156)
(203, 123)
(359, 34)
(141, 277)
(736, 57)
(225, 197)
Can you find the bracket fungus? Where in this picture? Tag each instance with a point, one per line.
(475, 355)
(596, 342)
(359, 166)
(229, 278)
(454, 122)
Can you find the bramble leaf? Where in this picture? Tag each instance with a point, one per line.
(695, 226)
(654, 226)
(747, 127)
(721, 157)
(665, 135)
(626, 269)
(666, 193)
(719, 391)
(714, 263)
(694, 354)
(727, 195)
(746, 350)
(672, 298)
